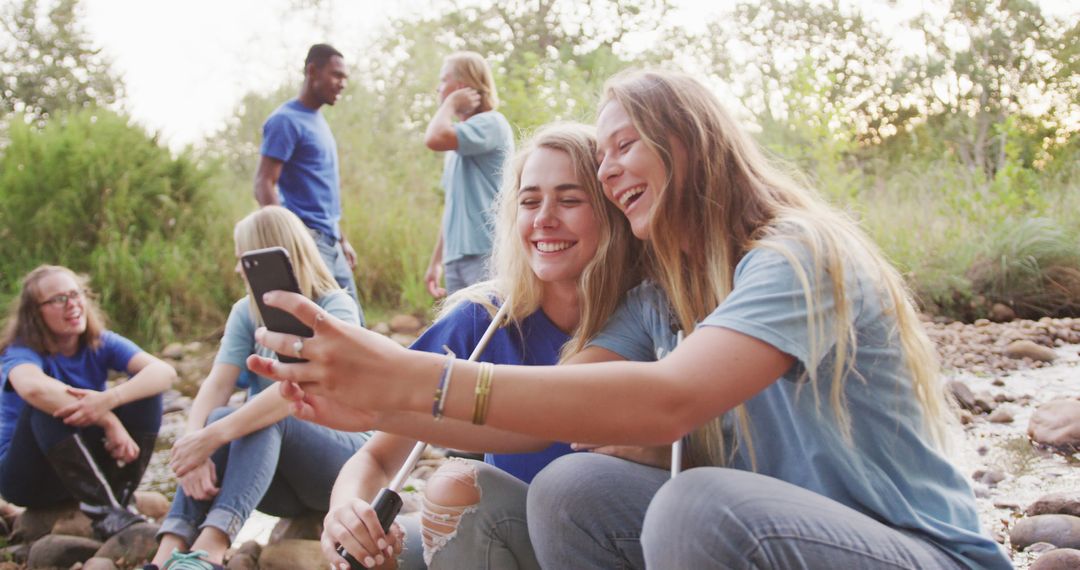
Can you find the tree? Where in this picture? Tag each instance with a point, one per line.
(49, 64)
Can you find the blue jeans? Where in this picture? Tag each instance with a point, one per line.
(285, 470)
(465, 271)
(27, 479)
(594, 511)
(334, 256)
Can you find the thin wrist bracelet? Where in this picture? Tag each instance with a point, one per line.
(439, 405)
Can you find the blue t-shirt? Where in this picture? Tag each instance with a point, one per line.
(536, 343)
(309, 184)
(889, 472)
(88, 369)
(471, 177)
(238, 340)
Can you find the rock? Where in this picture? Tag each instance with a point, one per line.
(984, 401)
(33, 524)
(1001, 313)
(61, 551)
(132, 545)
(151, 504)
(174, 351)
(193, 346)
(246, 557)
(1057, 424)
(9, 512)
(305, 527)
(1001, 416)
(74, 523)
(381, 328)
(17, 553)
(1064, 503)
(292, 554)
(1026, 349)
(963, 394)
(1062, 531)
(1059, 559)
(1039, 548)
(989, 477)
(99, 563)
(407, 324)
(403, 339)
(1005, 503)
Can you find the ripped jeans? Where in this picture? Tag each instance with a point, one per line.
(474, 517)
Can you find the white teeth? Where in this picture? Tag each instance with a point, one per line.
(552, 246)
(626, 196)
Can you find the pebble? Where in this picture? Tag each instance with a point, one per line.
(1064, 503)
(406, 324)
(1059, 559)
(1001, 416)
(1063, 531)
(1057, 424)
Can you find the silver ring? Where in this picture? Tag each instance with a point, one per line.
(298, 347)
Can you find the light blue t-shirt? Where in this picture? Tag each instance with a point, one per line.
(536, 342)
(238, 341)
(88, 368)
(889, 472)
(309, 185)
(471, 177)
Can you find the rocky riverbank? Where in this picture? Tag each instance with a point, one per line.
(1017, 439)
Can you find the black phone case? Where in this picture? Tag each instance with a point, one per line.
(271, 270)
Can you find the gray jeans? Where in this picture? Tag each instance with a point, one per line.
(595, 511)
(490, 535)
(334, 256)
(465, 271)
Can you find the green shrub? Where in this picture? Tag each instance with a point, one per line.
(95, 193)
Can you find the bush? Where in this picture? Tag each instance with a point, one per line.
(95, 193)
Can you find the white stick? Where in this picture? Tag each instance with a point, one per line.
(418, 449)
(676, 446)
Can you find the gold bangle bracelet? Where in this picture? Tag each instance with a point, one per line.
(483, 391)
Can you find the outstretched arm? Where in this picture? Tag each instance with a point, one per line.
(711, 372)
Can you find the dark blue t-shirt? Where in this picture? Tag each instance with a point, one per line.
(309, 185)
(536, 343)
(87, 368)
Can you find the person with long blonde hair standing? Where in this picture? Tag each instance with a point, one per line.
(477, 140)
(809, 392)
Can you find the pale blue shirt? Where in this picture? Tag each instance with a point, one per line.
(471, 177)
(889, 471)
(238, 340)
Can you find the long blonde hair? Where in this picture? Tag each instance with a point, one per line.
(731, 200)
(610, 273)
(25, 324)
(274, 226)
(473, 70)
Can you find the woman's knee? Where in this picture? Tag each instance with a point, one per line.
(450, 493)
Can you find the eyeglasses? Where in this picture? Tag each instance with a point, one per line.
(62, 299)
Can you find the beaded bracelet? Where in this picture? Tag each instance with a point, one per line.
(444, 384)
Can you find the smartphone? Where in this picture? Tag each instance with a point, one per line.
(271, 269)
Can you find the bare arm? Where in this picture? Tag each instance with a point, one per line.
(266, 179)
(711, 372)
(440, 134)
(41, 390)
(435, 269)
(213, 393)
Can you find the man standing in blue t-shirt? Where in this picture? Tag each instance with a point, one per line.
(299, 158)
(476, 147)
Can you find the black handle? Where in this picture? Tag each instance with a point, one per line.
(387, 505)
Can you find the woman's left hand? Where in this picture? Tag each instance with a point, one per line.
(658, 456)
(89, 408)
(191, 451)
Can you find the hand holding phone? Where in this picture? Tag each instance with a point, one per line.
(267, 270)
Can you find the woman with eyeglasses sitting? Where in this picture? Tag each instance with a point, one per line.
(64, 434)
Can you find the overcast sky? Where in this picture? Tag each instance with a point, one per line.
(186, 64)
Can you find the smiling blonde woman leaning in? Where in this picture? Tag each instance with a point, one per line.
(804, 375)
(564, 255)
